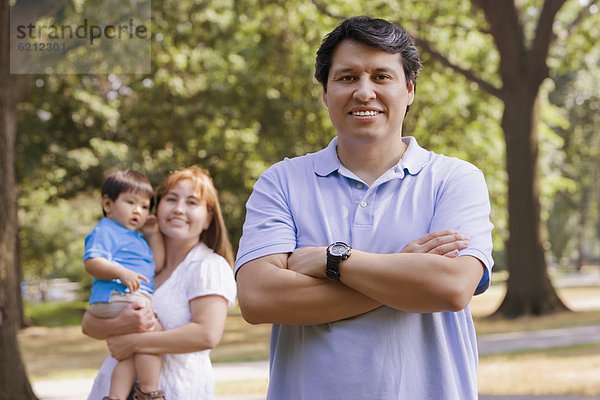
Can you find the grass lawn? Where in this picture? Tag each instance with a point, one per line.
(64, 352)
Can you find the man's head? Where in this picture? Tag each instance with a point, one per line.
(377, 33)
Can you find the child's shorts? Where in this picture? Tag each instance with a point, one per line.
(118, 301)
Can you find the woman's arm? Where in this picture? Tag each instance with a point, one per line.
(132, 319)
(155, 241)
(202, 333)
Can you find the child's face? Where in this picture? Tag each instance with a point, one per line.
(129, 209)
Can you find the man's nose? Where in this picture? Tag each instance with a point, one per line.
(365, 90)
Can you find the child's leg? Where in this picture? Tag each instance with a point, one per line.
(148, 371)
(122, 379)
(147, 367)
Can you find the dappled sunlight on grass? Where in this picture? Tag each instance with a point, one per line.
(567, 371)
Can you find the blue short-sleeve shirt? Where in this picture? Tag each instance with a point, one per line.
(122, 246)
(386, 353)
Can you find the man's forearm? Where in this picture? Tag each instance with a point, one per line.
(269, 293)
(413, 282)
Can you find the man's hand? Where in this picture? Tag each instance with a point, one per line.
(309, 261)
(444, 243)
(312, 261)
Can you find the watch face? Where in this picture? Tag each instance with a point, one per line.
(338, 249)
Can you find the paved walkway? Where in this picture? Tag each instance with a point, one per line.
(78, 389)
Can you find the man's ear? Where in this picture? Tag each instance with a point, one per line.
(106, 204)
(411, 92)
(325, 97)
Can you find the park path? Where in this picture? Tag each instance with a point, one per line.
(78, 389)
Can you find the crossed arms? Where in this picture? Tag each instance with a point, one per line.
(427, 276)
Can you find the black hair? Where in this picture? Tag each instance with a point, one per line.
(126, 181)
(373, 32)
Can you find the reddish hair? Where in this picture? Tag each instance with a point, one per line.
(215, 236)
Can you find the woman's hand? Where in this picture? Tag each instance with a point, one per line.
(133, 318)
(445, 243)
(122, 346)
(150, 227)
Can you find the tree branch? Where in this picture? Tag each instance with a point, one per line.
(507, 31)
(544, 35)
(467, 73)
(582, 14)
(323, 10)
(435, 54)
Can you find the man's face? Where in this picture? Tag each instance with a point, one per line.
(366, 93)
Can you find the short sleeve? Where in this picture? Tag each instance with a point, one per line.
(211, 276)
(99, 244)
(269, 226)
(463, 204)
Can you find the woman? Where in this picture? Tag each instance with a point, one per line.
(194, 290)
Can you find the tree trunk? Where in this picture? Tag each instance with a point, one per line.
(584, 205)
(529, 290)
(14, 384)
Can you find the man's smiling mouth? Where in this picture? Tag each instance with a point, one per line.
(368, 113)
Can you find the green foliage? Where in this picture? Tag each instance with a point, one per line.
(52, 235)
(56, 314)
(232, 90)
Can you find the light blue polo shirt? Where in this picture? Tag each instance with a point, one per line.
(384, 354)
(122, 246)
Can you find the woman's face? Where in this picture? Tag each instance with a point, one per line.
(182, 214)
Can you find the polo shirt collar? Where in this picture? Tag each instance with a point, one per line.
(413, 161)
(415, 157)
(326, 160)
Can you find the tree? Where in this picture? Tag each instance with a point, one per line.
(13, 380)
(571, 222)
(523, 45)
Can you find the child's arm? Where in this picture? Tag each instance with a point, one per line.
(155, 241)
(101, 268)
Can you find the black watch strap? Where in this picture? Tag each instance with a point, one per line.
(333, 266)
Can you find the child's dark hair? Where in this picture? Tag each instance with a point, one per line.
(126, 181)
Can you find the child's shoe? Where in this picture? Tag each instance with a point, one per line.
(154, 395)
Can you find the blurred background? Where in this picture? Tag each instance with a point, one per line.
(231, 89)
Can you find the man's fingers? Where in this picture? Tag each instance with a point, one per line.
(436, 234)
(445, 248)
(454, 238)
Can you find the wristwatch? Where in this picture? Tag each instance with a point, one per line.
(336, 253)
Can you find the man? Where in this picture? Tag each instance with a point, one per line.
(360, 310)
